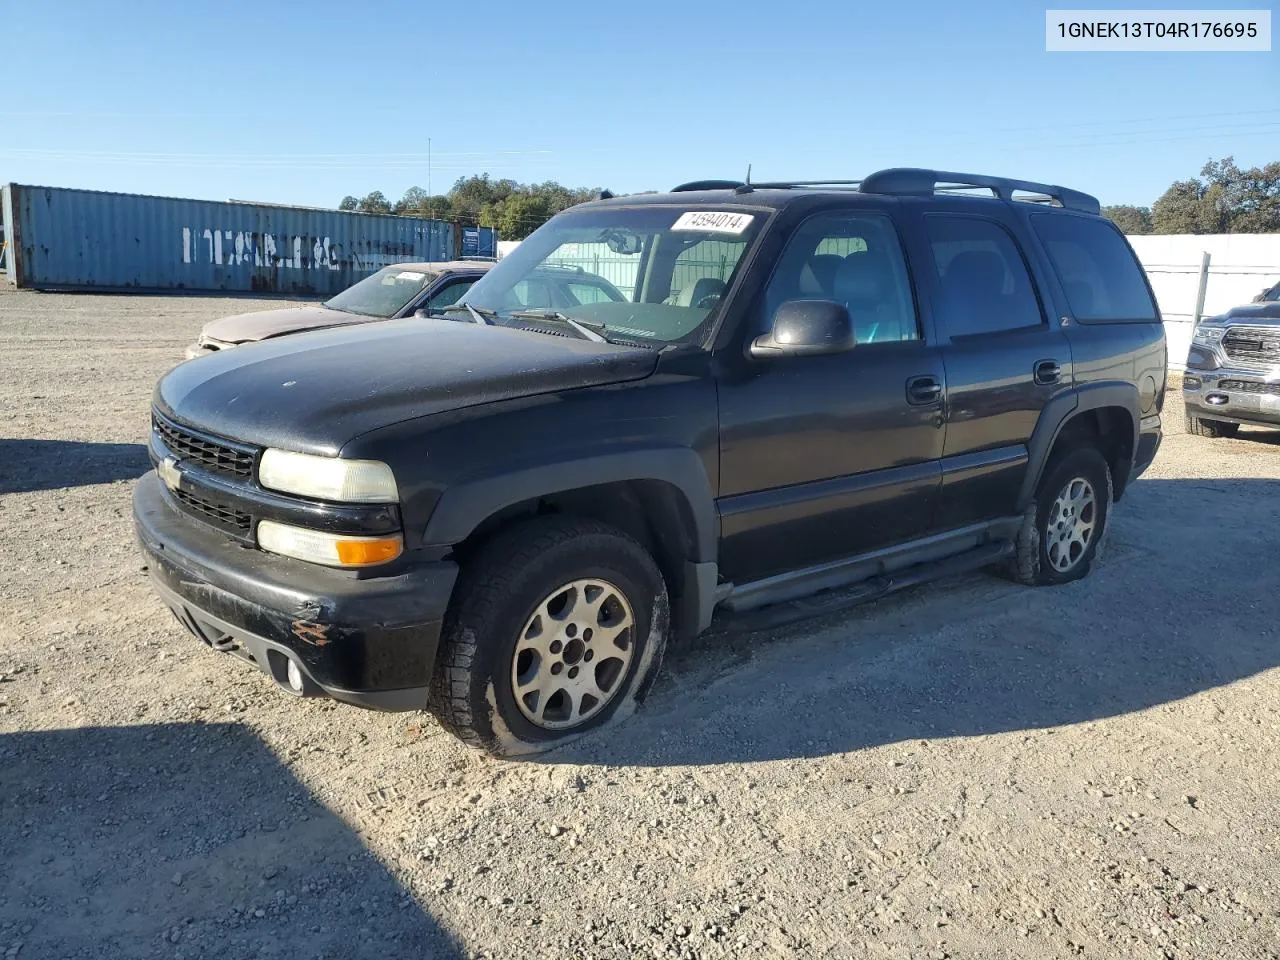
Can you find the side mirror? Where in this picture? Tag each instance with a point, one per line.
(422, 313)
(806, 328)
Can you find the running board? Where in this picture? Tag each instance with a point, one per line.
(840, 599)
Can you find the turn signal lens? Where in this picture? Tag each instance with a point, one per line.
(330, 549)
(361, 553)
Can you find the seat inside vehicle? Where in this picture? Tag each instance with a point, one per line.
(694, 294)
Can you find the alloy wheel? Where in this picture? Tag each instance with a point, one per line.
(1070, 528)
(573, 654)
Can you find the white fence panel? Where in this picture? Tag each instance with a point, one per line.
(1241, 265)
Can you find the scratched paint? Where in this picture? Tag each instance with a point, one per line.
(86, 240)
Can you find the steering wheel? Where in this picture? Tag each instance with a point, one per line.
(707, 302)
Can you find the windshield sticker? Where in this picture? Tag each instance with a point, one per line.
(708, 221)
(409, 275)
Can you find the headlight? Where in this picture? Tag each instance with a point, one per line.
(328, 478)
(331, 549)
(1208, 335)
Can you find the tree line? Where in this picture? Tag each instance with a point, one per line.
(1223, 199)
(514, 209)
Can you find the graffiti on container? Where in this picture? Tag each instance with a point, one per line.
(290, 252)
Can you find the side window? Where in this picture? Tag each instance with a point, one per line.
(449, 295)
(702, 270)
(589, 293)
(982, 277)
(620, 269)
(529, 294)
(1099, 274)
(854, 259)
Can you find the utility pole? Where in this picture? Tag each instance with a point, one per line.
(429, 193)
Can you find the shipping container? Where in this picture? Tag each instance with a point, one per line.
(60, 239)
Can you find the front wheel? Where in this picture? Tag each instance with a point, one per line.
(1063, 529)
(1200, 427)
(558, 628)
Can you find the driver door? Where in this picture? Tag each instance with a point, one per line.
(826, 457)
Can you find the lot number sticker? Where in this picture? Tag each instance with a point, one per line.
(708, 221)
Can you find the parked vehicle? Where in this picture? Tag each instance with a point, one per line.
(1232, 375)
(813, 394)
(401, 290)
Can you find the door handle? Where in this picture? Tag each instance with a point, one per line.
(1047, 371)
(923, 390)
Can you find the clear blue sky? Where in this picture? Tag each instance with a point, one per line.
(295, 103)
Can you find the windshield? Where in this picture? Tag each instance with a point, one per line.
(384, 294)
(642, 273)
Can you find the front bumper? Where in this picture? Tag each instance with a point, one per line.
(1233, 394)
(370, 641)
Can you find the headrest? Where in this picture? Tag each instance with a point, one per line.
(705, 287)
(859, 277)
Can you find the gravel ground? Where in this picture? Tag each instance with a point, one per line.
(968, 770)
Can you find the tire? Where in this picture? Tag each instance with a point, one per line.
(517, 673)
(1057, 545)
(1199, 427)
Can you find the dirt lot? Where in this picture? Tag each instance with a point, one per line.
(969, 770)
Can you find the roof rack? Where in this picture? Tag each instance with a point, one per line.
(564, 267)
(788, 184)
(708, 185)
(913, 181)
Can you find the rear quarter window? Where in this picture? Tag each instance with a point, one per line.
(1100, 275)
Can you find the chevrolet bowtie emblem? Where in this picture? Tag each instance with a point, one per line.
(169, 473)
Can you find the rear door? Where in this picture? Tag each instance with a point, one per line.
(826, 457)
(1005, 358)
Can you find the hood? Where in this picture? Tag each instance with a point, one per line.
(250, 327)
(1266, 313)
(315, 392)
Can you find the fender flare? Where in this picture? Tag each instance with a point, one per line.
(1061, 409)
(462, 508)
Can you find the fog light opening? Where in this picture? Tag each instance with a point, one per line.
(295, 677)
(1217, 399)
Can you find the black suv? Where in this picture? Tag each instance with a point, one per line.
(809, 391)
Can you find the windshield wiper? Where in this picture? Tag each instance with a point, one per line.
(585, 332)
(481, 315)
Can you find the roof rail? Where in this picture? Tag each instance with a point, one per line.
(914, 181)
(788, 184)
(709, 185)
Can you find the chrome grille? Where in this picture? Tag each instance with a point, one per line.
(1249, 386)
(1252, 344)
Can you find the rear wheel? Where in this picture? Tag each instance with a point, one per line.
(558, 627)
(1063, 529)
(1200, 427)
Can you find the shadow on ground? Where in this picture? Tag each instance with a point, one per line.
(186, 840)
(1187, 599)
(27, 465)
